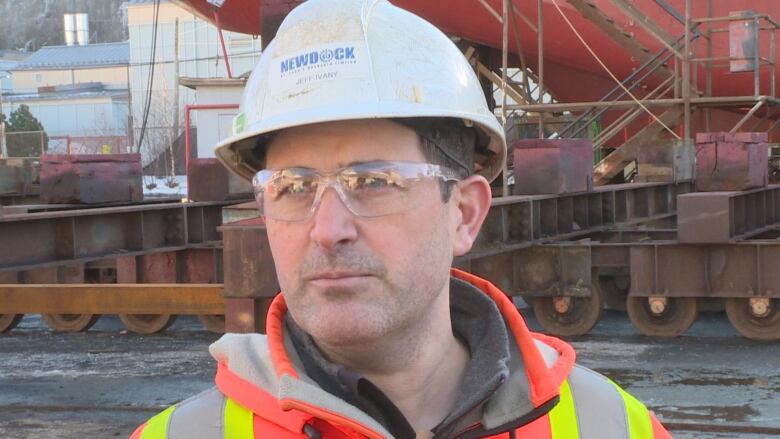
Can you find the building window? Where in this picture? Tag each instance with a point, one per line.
(240, 44)
(38, 77)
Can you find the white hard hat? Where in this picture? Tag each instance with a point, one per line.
(337, 60)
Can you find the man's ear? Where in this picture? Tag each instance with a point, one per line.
(473, 202)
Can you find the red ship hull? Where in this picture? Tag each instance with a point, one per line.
(567, 62)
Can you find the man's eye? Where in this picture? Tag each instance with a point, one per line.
(292, 187)
(374, 182)
(370, 182)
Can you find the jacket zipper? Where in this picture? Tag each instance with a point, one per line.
(476, 432)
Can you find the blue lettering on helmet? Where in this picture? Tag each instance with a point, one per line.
(313, 58)
(326, 55)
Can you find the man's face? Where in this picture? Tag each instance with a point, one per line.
(349, 280)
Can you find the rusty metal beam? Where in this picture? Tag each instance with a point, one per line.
(723, 217)
(248, 268)
(112, 299)
(51, 238)
(739, 269)
(746, 269)
(516, 222)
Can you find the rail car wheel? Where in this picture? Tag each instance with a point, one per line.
(147, 323)
(214, 323)
(9, 321)
(569, 316)
(757, 318)
(70, 322)
(662, 316)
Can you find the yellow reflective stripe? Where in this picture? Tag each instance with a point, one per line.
(239, 422)
(157, 427)
(638, 418)
(563, 417)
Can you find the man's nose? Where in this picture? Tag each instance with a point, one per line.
(334, 223)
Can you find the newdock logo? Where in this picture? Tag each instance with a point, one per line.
(315, 59)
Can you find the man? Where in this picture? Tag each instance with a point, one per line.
(360, 129)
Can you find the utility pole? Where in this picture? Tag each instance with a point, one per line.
(130, 124)
(175, 94)
(3, 148)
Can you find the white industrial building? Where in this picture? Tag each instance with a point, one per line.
(199, 56)
(96, 95)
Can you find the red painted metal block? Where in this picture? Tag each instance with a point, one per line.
(209, 180)
(158, 268)
(200, 266)
(558, 166)
(704, 217)
(91, 178)
(724, 217)
(126, 270)
(42, 275)
(731, 162)
(247, 262)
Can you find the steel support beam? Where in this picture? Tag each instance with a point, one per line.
(250, 275)
(112, 299)
(51, 238)
(521, 221)
(745, 269)
(723, 217)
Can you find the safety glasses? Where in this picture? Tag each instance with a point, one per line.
(369, 189)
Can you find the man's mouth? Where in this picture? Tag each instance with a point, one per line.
(336, 275)
(334, 279)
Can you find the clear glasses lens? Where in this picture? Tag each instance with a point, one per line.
(367, 189)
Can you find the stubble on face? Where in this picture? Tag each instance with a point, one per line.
(386, 303)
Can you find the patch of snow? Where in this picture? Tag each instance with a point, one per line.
(176, 185)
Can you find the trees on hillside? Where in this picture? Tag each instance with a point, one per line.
(27, 142)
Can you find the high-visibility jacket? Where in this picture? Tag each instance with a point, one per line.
(262, 392)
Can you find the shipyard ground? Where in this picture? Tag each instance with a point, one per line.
(711, 383)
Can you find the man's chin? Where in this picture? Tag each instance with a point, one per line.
(349, 325)
(335, 338)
